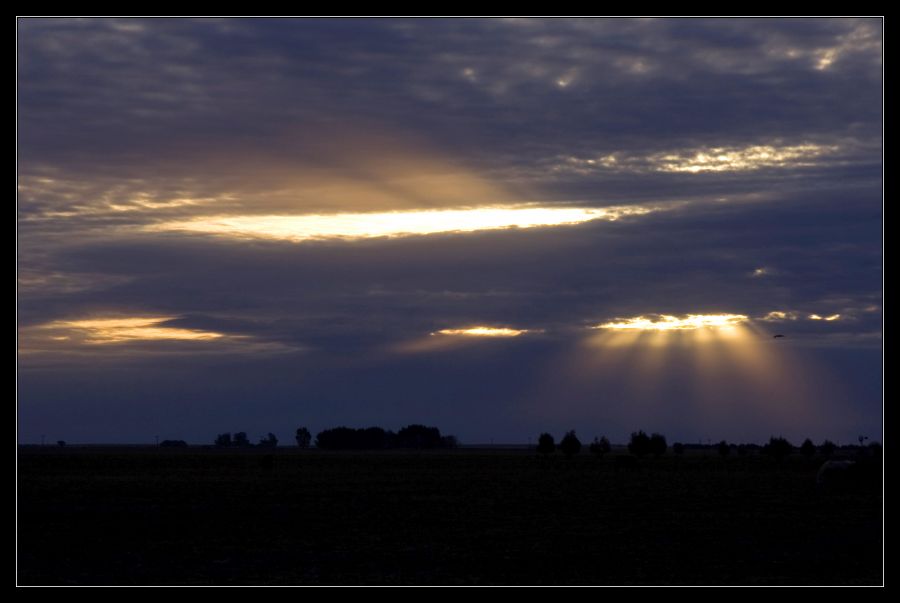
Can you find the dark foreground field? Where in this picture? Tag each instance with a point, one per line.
(156, 516)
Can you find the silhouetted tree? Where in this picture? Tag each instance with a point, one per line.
(61, 443)
(270, 441)
(223, 440)
(600, 447)
(419, 436)
(658, 445)
(336, 438)
(827, 448)
(570, 444)
(678, 448)
(240, 440)
(303, 437)
(374, 438)
(778, 448)
(723, 448)
(808, 448)
(546, 444)
(449, 442)
(639, 444)
(173, 444)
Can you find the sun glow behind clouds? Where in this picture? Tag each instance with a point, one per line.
(714, 372)
(120, 330)
(666, 322)
(303, 227)
(483, 332)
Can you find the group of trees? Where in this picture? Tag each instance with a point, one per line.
(240, 440)
(640, 444)
(569, 445)
(376, 438)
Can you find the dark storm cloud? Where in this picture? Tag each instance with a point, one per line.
(129, 123)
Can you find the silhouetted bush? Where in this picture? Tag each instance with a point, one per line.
(658, 445)
(678, 448)
(778, 448)
(827, 448)
(303, 437)
(570, 444)
(450, 442)
(600, 447)
(61, 443)
(173, 444)
(223, 440)
(239, 440)
(723, 448)
(419, 436)
(808, 448)
(639, 443)
(270, 441)
(546, 444)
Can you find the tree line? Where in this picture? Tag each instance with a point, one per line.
(640, 444)
(419, 437)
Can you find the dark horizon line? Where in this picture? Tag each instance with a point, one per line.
(476, 446)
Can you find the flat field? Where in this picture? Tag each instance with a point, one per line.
(206, 516)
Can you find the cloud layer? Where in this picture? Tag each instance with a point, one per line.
(743, 159)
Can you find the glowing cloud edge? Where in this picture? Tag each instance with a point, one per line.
(668, 322)
(361, 225)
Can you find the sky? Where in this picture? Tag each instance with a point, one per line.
(496, 226)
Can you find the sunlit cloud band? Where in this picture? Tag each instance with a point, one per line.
(666, 322)
(483, 332)
(304, 227)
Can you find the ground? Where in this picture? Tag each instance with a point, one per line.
(207, 516)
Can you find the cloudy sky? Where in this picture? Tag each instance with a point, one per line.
(498, 227)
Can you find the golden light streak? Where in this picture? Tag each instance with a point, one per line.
(118, 330)
(667, 322)
(483, 332)
(358, 225)
(827, 318)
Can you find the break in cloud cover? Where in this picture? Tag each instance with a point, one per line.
(257, 224)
